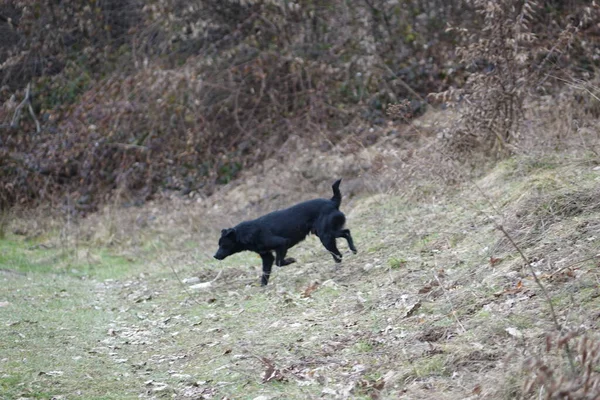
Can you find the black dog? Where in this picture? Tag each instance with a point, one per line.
(283, 229)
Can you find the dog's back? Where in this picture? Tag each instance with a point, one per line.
(296, 222)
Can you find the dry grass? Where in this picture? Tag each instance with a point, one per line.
(437, 304)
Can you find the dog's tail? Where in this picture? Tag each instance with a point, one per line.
(337, 195)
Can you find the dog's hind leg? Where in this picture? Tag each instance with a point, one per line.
(267, 260)
(329, 243)
(345, 233)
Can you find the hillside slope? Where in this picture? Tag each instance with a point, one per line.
(437, 303)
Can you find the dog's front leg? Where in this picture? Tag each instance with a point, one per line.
(267, 260)
(280, 245)
(345, 233)
(329, 243)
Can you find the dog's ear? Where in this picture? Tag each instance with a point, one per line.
(228, 233)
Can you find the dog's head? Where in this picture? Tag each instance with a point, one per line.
(228, 244)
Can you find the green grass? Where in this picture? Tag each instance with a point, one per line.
(433, 365)
(23, 256)
(49, 337)
(397, 263)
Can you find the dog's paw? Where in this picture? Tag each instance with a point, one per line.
(354, 251)
(337, 259)
(285, 262)
(288, 261)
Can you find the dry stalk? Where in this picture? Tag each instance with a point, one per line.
(450, 302)
(547, 297)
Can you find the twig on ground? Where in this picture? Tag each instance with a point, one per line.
(450, 302)
(574, 264)
(185, 288)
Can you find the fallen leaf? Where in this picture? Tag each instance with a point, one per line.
(517, 289)
(425, 289)
(412, 309)
(476, 390)
(494, 261)
(308, 291)
(379, 384)
(271, 373)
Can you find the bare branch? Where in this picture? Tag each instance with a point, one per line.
(14, 123)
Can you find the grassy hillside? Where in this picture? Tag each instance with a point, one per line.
(437, 303)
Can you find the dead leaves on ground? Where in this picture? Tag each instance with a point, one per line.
(371, 387)
(272, 373)
(306, 372)
(494, 261)
(310, 289)
(519, 288)
(412, 309)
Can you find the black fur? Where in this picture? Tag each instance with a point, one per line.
(280, 230)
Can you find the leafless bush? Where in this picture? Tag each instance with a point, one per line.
(170, 94)
(45, 35)
(549, 379)
(507, 62)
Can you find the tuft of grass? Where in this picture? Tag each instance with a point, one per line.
(434, 365)
(397, 263)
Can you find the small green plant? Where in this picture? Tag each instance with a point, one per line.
(397, 263)
(363, 346)
(431, 366)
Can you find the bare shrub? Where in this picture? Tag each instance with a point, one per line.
(549, 378)
(177, 95)
(44, 35)
(507, 62)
